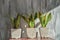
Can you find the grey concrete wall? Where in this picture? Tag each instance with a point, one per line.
(12, 7)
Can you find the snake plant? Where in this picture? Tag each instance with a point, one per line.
(45, 18)
(29, 20)
(16, 21)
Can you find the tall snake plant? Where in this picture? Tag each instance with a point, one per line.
(44, 19)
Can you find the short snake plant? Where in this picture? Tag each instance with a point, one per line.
(16, 21)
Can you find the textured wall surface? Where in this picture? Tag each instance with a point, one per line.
(12, 7)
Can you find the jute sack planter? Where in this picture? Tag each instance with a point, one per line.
(31, 32)
(44, 32)
(15, 33)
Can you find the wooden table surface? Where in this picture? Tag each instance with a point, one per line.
(32, 39)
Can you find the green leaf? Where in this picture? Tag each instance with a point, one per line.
(17, 22)
(35, 15)
(31, 17)
(39, 14)
(42, 20)
(12, 20)
(31, 24)
(31, 21)
(48, 18)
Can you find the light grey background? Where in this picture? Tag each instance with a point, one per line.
(12, 7)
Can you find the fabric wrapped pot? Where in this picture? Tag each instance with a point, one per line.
(31, 32)
(44, 32)
(15, 33)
